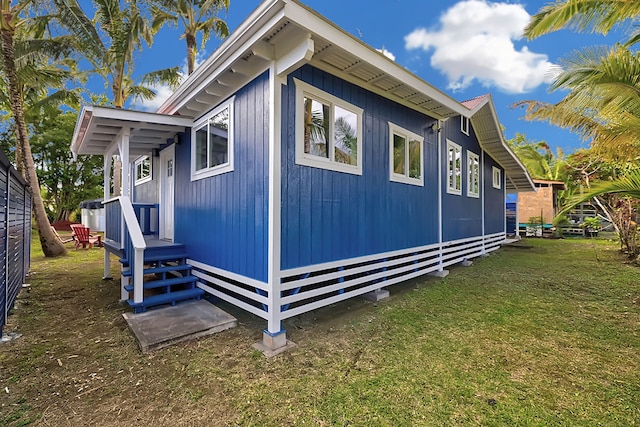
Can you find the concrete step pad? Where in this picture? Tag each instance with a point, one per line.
(162, 327)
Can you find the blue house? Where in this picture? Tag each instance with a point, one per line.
(295, 168)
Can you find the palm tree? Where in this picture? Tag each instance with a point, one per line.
(123, 26)
(43, 68)
(109, 42)
(195, 16)
(623, 195)
(603, 104)
(11, 19)
(599, 16)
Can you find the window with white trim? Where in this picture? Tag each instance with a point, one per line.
(143, 171)
(406, 162)
(454, 168)
(497, 177)
(328, 131)
(473, 174)
(212, 143)
(464, 125)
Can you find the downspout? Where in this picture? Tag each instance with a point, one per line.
(440, 222)
(274, 336)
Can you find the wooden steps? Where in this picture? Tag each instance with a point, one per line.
(167, 277)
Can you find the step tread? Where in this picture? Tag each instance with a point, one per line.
(168, 297)
(165, 269)
(166, 282)
(167, 257)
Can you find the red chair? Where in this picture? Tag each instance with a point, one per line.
(84, 238)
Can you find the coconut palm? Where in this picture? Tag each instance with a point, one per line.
(603, 104)
(195, 16)
(622, 196)
(109, 41)
(599, 16)
(43, 68)
(12, 18)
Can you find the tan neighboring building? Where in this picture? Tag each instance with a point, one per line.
(541, 203)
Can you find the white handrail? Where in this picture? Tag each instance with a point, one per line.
(139, 245)
(131, 221)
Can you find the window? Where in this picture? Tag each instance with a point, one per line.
(143, 170)
(464, 125)
(497, 178)
(328, 131)
(454, 168)
(473, 174)
(212, 143)
(406, 161)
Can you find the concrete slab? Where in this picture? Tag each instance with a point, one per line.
(377, 295)
(162, 327)
(466, 263)
(439, 273)
(9, 336)
(269, 352)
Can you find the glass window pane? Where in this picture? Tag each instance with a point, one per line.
(201, 148)
(450, 167)
(458, 169)
(219, 138)
(399, 154)
(316, 127)
(415, 157)
(345, 129)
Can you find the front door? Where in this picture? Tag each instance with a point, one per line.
(167, 192)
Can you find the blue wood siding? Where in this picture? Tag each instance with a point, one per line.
(494, 221)
(148, 191)
(328, 215)
(222, 219)
(461, 215)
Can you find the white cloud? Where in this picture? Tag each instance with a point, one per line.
(163, 91)
(474, 41)
(386, 53)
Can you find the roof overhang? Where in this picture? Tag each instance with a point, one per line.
(99, 129)
(288, 34)
(489, 133)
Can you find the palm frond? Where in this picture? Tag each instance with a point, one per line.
(627, 186)
(170, 76)
(598, 16)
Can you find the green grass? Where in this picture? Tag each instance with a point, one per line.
(544, 336)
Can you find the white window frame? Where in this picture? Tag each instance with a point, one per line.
(457, 148)
(473, 170)
(139, 161)
(496, 173)
(464, 125)
(408, 136)
(199, 124)
(304, 89)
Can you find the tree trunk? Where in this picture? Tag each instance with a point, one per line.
(191, 52)
(51, 246)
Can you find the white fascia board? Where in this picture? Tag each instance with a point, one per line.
(141, 117)
(317, 24)
(488, 103)
(79, 133)
(249, 33)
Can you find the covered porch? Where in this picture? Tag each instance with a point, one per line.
(153, 264)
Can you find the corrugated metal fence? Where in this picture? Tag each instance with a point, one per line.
(15, 235)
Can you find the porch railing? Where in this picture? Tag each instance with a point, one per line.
(122, 227)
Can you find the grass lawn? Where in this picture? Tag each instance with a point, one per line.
(541, 335)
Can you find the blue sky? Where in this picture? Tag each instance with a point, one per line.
(465, 48)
